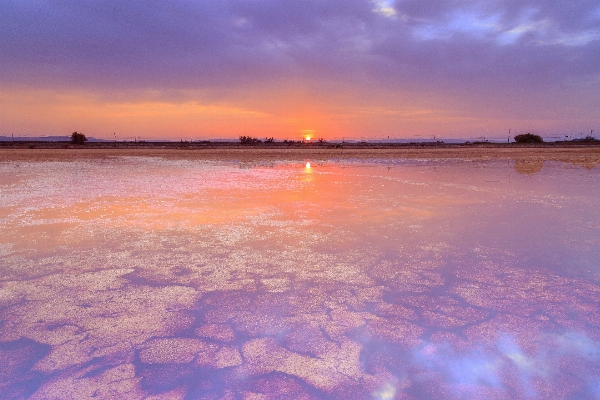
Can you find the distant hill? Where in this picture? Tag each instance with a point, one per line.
(44, 139)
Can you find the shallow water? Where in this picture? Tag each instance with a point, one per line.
(140, 277)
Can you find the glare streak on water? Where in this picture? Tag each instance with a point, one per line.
(137, 277)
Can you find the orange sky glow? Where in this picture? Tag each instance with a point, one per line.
(46, 113)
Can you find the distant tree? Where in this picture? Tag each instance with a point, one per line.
(528, 138)
(78, 138)
(270, 140)
(249, 140)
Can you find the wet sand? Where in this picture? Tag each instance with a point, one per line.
(587, 156)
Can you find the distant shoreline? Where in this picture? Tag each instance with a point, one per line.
(587, 155)
(297, 145)
(21, 144)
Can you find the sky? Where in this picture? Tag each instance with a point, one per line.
(363, 69)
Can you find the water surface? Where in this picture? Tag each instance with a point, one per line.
(139, 277)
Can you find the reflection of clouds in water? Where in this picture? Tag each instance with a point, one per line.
(387, 392)
(577, 343)
(494, 367)
(472, 368)
(527, 366)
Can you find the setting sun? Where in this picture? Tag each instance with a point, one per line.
(307, 134)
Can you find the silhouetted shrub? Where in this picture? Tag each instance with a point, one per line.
(528, 138)
(270, 140)
(249, 140)
(78, 138)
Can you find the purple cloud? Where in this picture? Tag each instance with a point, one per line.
(472, 51)
(160, 44)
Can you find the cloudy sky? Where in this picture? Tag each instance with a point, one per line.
(353, 68)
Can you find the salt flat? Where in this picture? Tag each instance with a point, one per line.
(307, 273)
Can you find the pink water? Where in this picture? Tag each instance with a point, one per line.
(140, 277)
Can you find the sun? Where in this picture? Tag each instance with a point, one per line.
(307, 134)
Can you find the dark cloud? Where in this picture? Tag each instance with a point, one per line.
(207, 44)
